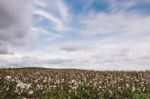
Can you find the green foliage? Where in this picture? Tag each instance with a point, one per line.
(141, 96)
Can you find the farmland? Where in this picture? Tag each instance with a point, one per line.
(40, 83)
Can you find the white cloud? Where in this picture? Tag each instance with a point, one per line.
(48, 16)
(64, 11)
(122, 23)
(40, 3)
(56, 12)
(100, 56)
(48, 35)
(121, 6)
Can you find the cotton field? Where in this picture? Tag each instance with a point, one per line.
(37, 83)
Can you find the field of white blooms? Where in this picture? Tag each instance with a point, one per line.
(38, 83)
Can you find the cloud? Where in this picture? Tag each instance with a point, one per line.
(121, 6)
(64, 11)
(5, 50)
(15, 20)
(40, 3)
(99, 56)
(55, 12)
(48, 35)
(70, 47)
(49, 16)
(30, 61)
(126, 25)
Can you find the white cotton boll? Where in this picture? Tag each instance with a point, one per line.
(30, 92)
(8, 77)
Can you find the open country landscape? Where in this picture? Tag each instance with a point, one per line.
(74, 49)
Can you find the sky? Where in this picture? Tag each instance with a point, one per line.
(81, 34)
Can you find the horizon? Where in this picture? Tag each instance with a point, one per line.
(72, 34)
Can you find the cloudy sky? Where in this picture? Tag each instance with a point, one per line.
(85, 34)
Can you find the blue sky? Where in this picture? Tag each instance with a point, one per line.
(86, 34)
